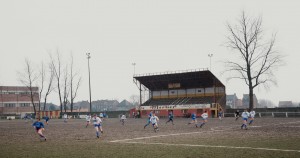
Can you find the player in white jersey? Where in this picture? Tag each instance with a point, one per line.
(97, 124)
(204, 119)
(65, 118)
(154, 120)
(245, 116)
(252, 115)
(123, 118)
(88, 120)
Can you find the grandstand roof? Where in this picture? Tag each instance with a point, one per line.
(200, 78)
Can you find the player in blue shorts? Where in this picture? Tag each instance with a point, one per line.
(154, 121)
(46, 118)
(148, 123)
(194, 119)
(252, 115)
(245, 116)
(204, 119)
(39, 128)
(97, 124)
(171, 116)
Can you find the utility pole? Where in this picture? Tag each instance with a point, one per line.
(88, 57)
(210, 56)
(133, 64)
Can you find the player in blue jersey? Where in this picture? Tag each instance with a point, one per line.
(220, 114)
(204, 119)
(252, 115)
(171, 116)
(46, 118)
(245, 116)
(39, 128)
(194, 119)
(97, 124)
(148, 123)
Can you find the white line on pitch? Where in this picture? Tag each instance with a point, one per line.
(213, 146)
(176, 134)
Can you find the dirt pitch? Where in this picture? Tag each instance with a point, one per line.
(267, 137)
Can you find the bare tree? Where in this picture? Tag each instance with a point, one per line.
(42, 80)
(50, 86)
(28, 78)
(257, 60)
(73, 88)
(66, 89)
(135, 100)
(57, 66)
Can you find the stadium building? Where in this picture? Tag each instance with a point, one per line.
(17, 100)
(182, 92)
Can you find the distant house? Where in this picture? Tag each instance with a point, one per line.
(246, 101)
(282, 104)
(17, 100)
(231, 100)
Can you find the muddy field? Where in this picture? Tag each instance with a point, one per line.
(267, 137)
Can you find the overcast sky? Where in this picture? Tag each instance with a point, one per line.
(158, 35)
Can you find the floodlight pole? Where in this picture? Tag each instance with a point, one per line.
(88, 57)
(210, 55)
(133, 64)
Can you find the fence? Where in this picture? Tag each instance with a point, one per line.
(269, 114)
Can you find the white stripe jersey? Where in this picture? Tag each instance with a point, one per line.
(96, 120)
(88, 118)
(245, 114)
(154, 119)
(123, 117)
(252, 113)
(204, 115)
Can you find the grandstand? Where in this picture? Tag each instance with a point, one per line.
(182, 92)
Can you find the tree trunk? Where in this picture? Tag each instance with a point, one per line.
(250, 98)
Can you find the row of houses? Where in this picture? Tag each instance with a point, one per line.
(232, 101)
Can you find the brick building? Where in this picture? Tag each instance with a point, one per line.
(17, 100)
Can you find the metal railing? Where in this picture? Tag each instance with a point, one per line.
(170, 72)
(269, 114)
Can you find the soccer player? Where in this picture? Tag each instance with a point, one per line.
(252, 115)
(171, 116)
(148, 123)
(39, 128)
(154, 120)
(65, 118)
(123, 118)
(245, 116)
(88, 120)
(194, 119)
(101, 115)
(46, 119)
(237, 115)
(204, 119)
(220, 114)
(97, 124)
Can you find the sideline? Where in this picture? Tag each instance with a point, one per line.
(213, 146)
(176, 134)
